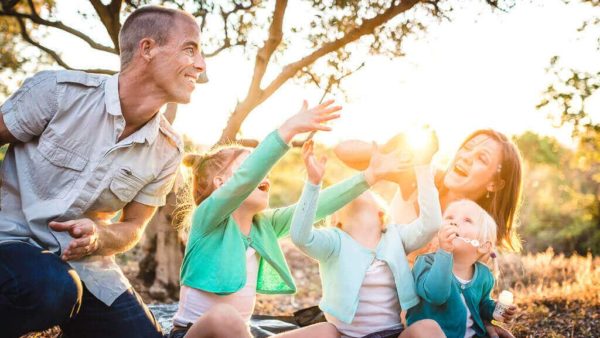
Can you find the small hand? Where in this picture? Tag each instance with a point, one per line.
(510, 313)
(497, 331)
(85, 234)
(387, 165)
(307, 120)
(314, 168)
(446, 236)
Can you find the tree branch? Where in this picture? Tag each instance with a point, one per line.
(109, 15)
(253, 97)
(264, 54)
(35, 18)
(53, 54)
(225, 15)
(367, 27)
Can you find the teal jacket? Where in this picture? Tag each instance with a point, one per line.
(440, 292)
(343, 262)
(215, 255)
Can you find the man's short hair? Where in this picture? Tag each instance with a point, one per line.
(153, 22)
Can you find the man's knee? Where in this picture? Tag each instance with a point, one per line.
(58, 292)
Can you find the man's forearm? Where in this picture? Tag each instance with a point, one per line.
(118, 237)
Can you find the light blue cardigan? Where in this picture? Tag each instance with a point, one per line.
(343, 262)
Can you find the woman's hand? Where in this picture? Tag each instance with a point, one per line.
(315, 169)
(307, 120)
(446, 236)
(386, 165)
(424, 155)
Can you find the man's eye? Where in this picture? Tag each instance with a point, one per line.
(189, 51)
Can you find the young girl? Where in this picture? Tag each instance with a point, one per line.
(365, 275)
(454, 286)
(232, 250)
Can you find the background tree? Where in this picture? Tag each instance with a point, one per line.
(330, 38)
(568, 99)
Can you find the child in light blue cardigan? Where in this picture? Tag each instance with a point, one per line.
(365, 275)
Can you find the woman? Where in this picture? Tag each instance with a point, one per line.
(485, 169)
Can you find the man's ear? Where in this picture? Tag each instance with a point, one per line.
(146, 48)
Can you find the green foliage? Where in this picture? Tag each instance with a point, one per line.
(561, 196)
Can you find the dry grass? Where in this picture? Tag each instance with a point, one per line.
(558, 296)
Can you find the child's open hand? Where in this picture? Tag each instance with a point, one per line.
(309, 119)
(315, 169)
(387, 165)
(446, 235)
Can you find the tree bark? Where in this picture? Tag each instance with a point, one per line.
(163, 253)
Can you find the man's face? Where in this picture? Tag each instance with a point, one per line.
(177, 64)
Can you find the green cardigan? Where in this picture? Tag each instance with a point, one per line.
(215, 255)
(440, 292)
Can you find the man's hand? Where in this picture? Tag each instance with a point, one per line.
(85, 234)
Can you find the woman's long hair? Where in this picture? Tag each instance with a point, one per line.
(503, 204)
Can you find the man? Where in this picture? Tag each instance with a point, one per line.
(82, 148)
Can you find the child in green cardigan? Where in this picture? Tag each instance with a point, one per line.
(453, 285)
(232, 250)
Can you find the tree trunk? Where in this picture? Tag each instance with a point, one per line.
(163, 252)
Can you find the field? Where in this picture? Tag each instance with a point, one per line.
(558, 296)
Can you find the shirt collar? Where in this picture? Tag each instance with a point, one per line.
(149, 131)
(111, 95)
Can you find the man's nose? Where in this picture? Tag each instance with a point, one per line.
(200, 65)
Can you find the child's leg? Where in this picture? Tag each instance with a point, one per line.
(321, 330)
(425, 328)
(221, 321)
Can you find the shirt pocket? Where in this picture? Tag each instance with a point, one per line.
(120, 189)
(126, 184)
(54, 169)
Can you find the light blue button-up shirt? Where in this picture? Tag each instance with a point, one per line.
(70, 164)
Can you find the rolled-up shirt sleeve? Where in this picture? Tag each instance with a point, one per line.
(27, 112)
(154, 194)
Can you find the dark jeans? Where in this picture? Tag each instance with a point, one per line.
(38, 290)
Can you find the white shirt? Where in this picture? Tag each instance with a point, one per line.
(70, 164)
(469, 332)
(378, 304)
(193, 303)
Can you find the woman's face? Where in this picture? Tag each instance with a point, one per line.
(475, 168)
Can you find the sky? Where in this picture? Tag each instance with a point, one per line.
(483, 69)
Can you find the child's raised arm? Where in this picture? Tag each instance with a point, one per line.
(317, 244)
(340, 194)
(229, 196)
(418, 233)
(433, 277)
